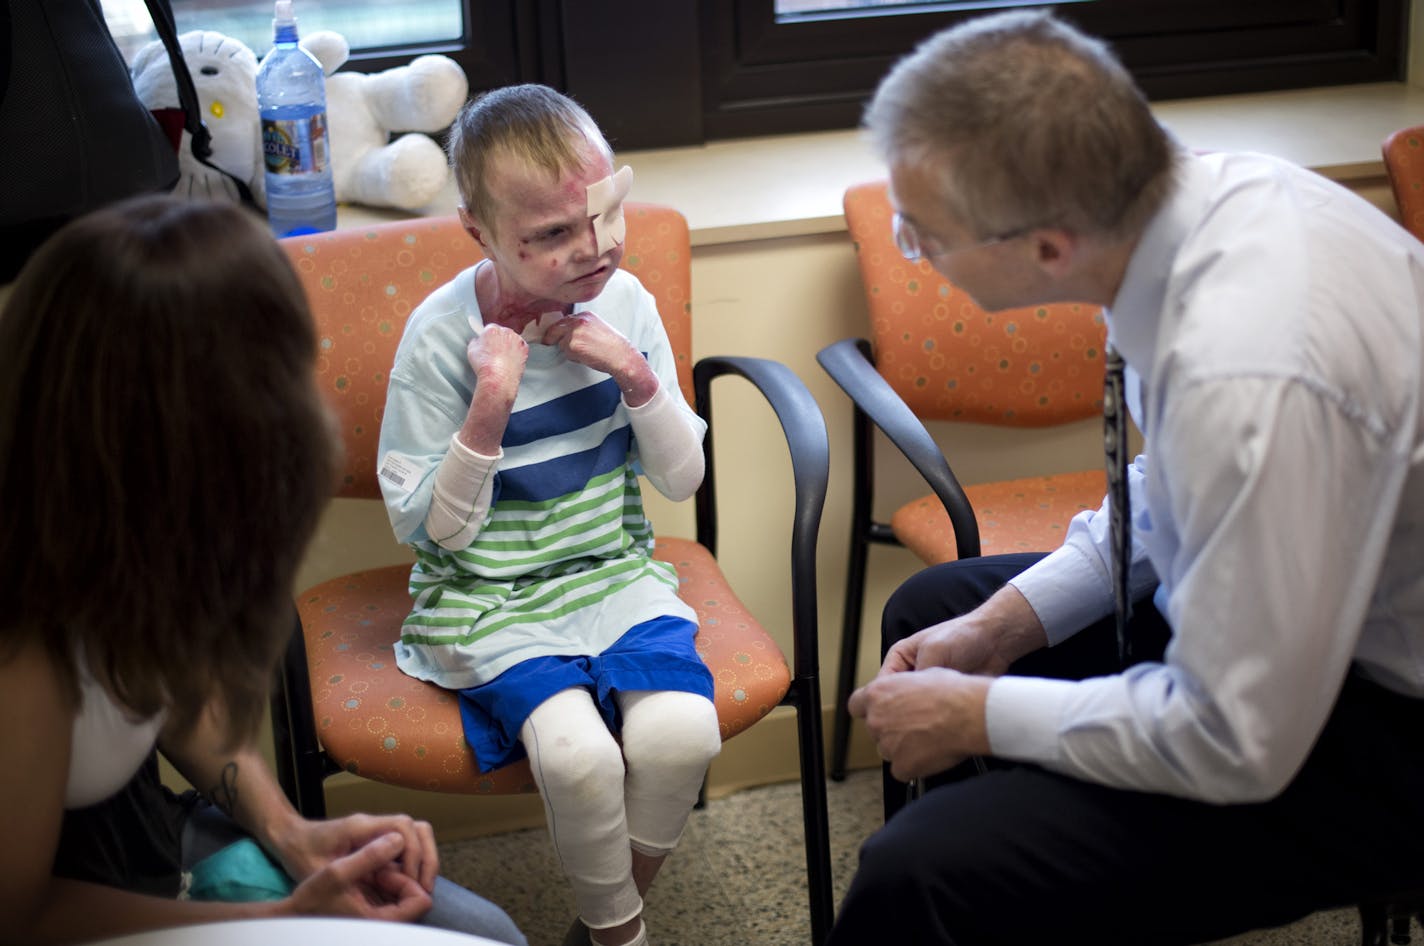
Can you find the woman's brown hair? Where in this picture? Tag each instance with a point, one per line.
(164, 456)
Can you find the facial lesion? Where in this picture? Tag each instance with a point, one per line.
(551, 235)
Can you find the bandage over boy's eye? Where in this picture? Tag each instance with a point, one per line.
(605, 206)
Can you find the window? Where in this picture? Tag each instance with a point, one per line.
(674, 72)
(767, 68)
(482, 35)
(364, 24)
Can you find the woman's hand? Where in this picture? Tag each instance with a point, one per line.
(311, 845)
(367, 882)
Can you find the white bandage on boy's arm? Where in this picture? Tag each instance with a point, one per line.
(464, 485)
(669, 447)
(605, 206)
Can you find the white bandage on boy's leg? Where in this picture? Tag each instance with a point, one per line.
(605, 206)
(669, 737)
(640, 940)
(579, 770)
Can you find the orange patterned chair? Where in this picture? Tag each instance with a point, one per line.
(1404, 163)
(1387, 921)
(935, 355)
(342, 704)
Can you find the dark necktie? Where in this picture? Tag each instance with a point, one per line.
(1119, 509)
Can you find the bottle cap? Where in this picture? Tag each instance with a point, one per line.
(283, 15)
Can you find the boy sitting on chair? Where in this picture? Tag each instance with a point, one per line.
(526, 396)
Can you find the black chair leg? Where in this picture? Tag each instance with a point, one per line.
(1399, 924)
(1372, 924)
(814, 808)
(862, 532)
(850, 652)
(302, 766)
(1384, 922)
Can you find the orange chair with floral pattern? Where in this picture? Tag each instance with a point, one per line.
(1403, 153)
(1404, 164)
(342, 704)
(934, 355)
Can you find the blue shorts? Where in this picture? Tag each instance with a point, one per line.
(654, 655)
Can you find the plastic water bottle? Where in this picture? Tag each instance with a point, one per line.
(291, 97)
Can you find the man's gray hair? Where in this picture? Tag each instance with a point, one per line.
(1027, 123)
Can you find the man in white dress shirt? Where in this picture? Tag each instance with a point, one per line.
(1263, 757)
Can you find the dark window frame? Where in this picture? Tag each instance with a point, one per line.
(661, 73)
(500, 46)
(763, 74)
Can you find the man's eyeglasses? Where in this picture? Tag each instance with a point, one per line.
(912, 245)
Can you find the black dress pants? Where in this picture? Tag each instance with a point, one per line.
(1022, 855)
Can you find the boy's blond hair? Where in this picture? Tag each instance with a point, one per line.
(532, 123)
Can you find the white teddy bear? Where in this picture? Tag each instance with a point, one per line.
(363, 109)
(362, 112)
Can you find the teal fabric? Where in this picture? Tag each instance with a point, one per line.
(239, 873)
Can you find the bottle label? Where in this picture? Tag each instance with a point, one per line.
(295, 146)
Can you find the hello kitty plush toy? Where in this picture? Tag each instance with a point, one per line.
(364, 111)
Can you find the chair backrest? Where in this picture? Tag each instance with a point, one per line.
(1404, 163)
(948, 359)
(362, 284)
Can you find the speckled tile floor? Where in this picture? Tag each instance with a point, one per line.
(738, 879)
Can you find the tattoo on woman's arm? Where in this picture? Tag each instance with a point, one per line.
(224, 794)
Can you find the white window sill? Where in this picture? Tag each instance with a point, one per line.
(791, 185)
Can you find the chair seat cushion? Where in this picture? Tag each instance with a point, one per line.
(377, 722)
(1023, 515)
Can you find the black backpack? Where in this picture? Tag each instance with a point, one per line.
(73, 134)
